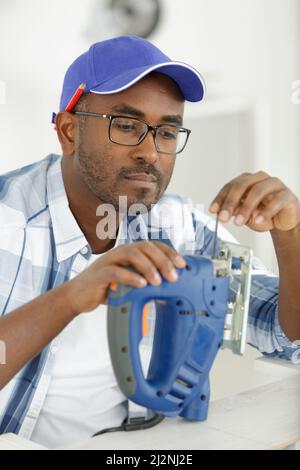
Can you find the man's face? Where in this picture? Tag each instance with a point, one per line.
(107, 168)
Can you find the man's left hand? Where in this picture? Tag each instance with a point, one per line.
(259, 201)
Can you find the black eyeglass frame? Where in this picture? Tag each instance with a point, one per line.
(149, 128)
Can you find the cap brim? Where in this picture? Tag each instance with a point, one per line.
(187, 78)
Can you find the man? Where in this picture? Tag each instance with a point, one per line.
(120, 139)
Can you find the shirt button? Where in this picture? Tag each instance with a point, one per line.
(33, 412)
(84, 250)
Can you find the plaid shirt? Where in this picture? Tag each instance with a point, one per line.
(40, 241)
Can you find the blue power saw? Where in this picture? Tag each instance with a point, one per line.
(195, 317)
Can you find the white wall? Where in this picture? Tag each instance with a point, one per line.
(248, 51)
(38, 40)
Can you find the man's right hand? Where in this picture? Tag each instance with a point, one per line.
(150, 259)
(28, 329)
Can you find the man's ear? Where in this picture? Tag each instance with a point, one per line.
(67, 130)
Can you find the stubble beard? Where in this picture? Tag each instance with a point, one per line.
(98, 175)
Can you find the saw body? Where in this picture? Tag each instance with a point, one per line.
(189, 327)
(204, 310)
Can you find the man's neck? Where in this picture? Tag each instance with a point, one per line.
(83, 205)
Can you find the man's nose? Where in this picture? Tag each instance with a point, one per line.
(146, 150)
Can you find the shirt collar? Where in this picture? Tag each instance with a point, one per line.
(68, 237)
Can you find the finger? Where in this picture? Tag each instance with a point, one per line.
(272, 205)
(169, 251)
(238, 193)
(134, 256)
(139, 255)
(254, 214)
(157, 257)
(262, 191)
(164, 259)
(219, 199)
(231, 195)
(120, 275)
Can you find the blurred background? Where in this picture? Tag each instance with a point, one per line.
(247, 51)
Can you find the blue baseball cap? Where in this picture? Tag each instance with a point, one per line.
(116, 64)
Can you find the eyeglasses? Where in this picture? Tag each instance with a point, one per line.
(124, 130)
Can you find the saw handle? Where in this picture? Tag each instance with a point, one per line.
(182, 340)
(125, 331)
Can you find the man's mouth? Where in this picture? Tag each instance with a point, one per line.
(142, 180)
(141, 177)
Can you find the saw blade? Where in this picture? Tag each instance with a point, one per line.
(215, 238)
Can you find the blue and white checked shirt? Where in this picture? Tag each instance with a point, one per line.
(40, 241)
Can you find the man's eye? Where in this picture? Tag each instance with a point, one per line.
(124, 127)
(169, 135)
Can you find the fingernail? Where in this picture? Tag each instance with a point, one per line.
(224, 215)
(174, 274)
(259, 219)
(157, 278)
(142, 282)
(239, 220)
(214, 207)
(179, 261)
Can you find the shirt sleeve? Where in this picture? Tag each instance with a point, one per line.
(264, 330)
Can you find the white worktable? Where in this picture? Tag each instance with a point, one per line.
(262, 418)
(266, 416)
